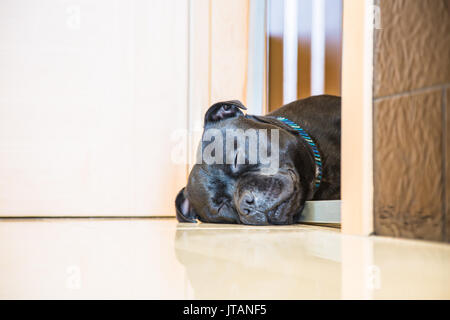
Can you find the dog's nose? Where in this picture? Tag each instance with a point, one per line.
(246, 202)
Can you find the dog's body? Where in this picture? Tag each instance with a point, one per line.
(320, 116)
(233, 193)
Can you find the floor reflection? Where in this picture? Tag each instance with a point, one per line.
(260, 263)
(305, 262)
(162, 259)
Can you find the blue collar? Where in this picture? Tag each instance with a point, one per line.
(304, 135)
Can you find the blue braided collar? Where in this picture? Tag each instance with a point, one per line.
(304, 135)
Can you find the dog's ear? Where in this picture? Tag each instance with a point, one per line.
(185, 212)
(223, 110)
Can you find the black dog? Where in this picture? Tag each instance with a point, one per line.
(250, 194)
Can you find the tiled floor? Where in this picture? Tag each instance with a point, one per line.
(160, 259)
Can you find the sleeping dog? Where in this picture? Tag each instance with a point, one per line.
(264, 180)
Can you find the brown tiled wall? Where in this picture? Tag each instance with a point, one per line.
(412, 119)
(447, 169)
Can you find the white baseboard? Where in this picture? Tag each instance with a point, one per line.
(322, 212)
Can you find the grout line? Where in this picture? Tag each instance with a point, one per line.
(412, 92)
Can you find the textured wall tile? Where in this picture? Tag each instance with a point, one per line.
(408, 198)
(412, 49)
(447, 144)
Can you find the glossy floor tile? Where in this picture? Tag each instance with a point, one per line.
(161, 259)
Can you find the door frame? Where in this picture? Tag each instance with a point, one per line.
(357, 118)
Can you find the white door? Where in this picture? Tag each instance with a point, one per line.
(90, 94)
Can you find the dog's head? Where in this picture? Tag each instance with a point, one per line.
(253, 171)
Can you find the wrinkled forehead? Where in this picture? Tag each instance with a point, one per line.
(242, 123)
(239, 141)
(246, 126)
(239, 130)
